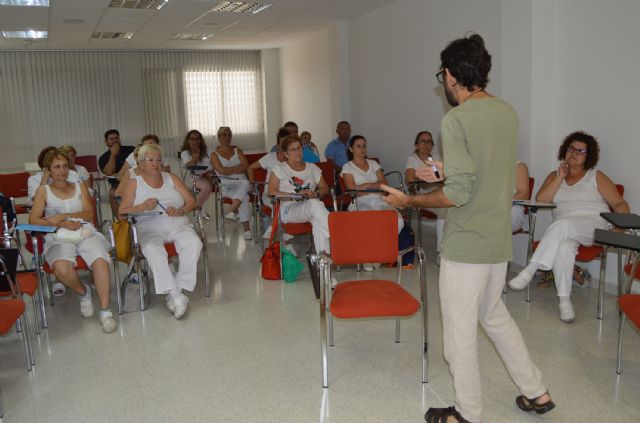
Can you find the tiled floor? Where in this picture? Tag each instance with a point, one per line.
(251, 353)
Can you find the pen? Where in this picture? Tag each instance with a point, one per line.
(161, 206)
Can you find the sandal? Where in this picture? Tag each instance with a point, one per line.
(440, 415)
(527, 404)
(59, 289)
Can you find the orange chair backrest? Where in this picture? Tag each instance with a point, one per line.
(328, 172)
(364, 236)
(89, 162)
(14, 184)
(254, 157)
(260, 175)
(532, 182)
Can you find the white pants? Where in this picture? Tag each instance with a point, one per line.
(152, 238)
(559, 245)
(375, 202)
(238, 190)
(471, 293)
(517, 218)
(314, 212)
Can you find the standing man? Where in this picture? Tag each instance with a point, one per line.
(336, 151)
(479, 137)
(112, 161)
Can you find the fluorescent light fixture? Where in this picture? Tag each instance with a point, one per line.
(73, 21)
(27, 35)
(198, 37)
(240, 7)
(138, 4)
(35, 3)
(112, 35)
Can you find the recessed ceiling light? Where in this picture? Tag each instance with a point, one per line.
(199, 37)
(73, 21)
(36, 3)
(112, 35)
(240, 7)
(138, 4)
(28, 35)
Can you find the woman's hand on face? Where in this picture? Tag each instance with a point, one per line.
(72, 225)
(175, 212)
(150, 203)
(563, 169)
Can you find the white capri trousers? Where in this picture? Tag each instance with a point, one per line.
(90, 249)
(517, 218)
(152, 237)
(314, 212)
(375, 202)
(559, 245)
(237, 190)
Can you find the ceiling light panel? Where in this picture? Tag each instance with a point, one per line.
(138, 4)
(112, 35)
(27, 35)
(199, 37)
(34, 3)
(240, 7)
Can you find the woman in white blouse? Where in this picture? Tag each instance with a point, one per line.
(194, 153)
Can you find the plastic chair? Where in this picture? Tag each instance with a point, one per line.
(27, 281)
(629, 305)
(254, 157)
(15, 185)
(359, 237)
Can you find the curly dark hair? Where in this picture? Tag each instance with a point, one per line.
(203, 145)
(468, 61)
(593, 149)
(353, 141)
(43, 154)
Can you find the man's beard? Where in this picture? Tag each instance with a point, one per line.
(448, 93)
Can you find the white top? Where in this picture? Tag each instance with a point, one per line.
(82, 172)
(131, 161)
(167, 195)
(186, 156)
(34, 182)
(233, 161)
(268, 162)
(580, 199)
(414, 162)
(360, 176)
(57, 205)
(292, 181)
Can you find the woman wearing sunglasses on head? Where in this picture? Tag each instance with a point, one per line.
(580, 193)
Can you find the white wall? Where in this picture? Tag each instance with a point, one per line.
(305, 81)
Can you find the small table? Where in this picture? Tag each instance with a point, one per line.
(625, 241)
(623, 220)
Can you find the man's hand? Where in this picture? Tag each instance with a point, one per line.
(427, 173)
(395, 197)
(115, 149)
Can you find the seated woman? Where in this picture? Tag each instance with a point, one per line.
(294, 176)
(68, 206)
(309, 150)
(361, 173)
(155, 190)
(521, 192)
(194, 153)
(580, 193)
(83, 173)
(423, 150)
(44, 176)
(268, 162)
(229, 162)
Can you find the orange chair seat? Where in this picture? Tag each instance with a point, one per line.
(585, 253)
(80, 265)
(266, 210)
(627, 270)
(630, 305)
(171, 249)
(371, 298)
(22, 209)
(10, 311)
(28, 282)
(297, 228)
(428, 214)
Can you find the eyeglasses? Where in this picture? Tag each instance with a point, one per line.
(295, 148)
(150, 160)
(424, 142)
(440, 76)
(578, 151)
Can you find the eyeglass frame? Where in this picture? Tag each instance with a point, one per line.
(440, 76)
(578, 151)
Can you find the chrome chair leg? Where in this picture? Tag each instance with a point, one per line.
(601, 281)
(620, 328)
(397, 330)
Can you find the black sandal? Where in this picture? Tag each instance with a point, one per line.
(440, 415)
(527, 404)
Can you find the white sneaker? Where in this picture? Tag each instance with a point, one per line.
(247, 236)
(521, 281)
(171, 306)
(108, 323)
(59, 289)
(334, 282)
(267, 233)
(289, 248)
(231, 216)
(181, 306)
(86, 305)
(566, 311)
(367, 267)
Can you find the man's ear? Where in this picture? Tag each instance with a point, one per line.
(452, 81)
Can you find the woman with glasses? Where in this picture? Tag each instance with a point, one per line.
(230, 165)
(580, 193)
(194, 153)
(154, 190)
(422, 154)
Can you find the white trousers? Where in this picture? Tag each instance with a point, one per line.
(314, 212)
(559, 245)
(517, 218)
(188, 245)
(471, 293)
(375, 202)
(238, 190)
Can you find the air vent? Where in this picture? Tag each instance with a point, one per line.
(112, 35)
(138, 4)
(199, 37)
(240, 7)
(36, 3)
(26, 35)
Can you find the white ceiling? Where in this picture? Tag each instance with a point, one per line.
(283, 22)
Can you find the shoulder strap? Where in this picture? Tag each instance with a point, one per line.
(274, 225)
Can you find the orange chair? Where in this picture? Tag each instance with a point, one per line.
(361, 237)
(15, 185)
(630, 308)
(13, 310)
(254, 157)
(328, 173)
